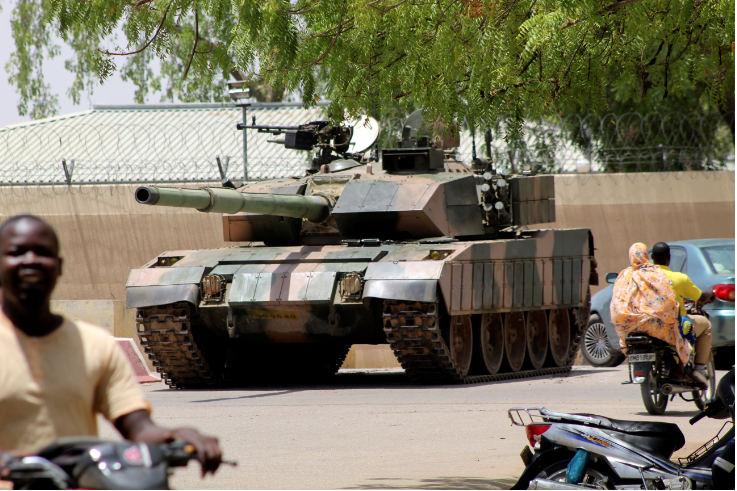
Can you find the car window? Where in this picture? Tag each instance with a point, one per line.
(677, 259)
(720, 258)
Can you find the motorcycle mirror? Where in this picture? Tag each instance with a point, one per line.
(611, 277)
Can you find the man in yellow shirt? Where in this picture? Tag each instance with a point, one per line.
(56, 375)
(683, 287)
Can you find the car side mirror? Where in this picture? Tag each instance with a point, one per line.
(611, 277)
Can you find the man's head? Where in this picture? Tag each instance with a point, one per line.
(29, 261)
(661, 254)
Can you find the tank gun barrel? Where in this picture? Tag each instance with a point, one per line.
(216, 200)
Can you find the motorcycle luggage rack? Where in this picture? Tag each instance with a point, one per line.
(699, 452)
(518, 415)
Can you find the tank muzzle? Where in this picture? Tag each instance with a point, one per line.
(147, 195)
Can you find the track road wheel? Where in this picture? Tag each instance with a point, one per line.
(488, 343)
(461, 342)
(654, 400)
(514, 340)
(559, 333)
(537, 337)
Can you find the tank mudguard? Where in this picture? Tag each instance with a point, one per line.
(161, 286)
(148, 296)
(411, 290)
(415, 281)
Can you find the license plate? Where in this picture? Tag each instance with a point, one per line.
(637, 357)
(289, 315)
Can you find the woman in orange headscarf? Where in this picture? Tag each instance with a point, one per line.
(643, 301)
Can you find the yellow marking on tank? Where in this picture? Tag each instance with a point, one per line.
(290, 315)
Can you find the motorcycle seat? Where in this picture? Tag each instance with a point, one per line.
(660, 439)
(638, 338)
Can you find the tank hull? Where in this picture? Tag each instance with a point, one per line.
(429, 301)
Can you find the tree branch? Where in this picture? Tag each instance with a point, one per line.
(327, 51)
(156, 34)
(619, 5)
(196, 40)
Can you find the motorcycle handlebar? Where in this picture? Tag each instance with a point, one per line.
(179, 453)
(698, 417)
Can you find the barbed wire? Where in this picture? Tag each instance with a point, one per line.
(65, 153)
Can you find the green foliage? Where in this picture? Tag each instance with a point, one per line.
(487, 60)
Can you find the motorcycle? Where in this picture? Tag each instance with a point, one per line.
(654, 365)
(92, 463)
(586, 451)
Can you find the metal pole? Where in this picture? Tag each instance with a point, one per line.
(245, 144)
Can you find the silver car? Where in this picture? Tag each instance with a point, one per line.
(710, 265)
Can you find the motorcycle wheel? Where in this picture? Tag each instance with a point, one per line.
(598, 475)
(701, 397)
(655, 401)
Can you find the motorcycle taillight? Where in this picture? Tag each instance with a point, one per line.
(724, 292)
(534, 431)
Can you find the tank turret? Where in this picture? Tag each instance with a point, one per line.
(420, 252)
(420, 192)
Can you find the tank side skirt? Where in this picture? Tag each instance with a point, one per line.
(166, 336)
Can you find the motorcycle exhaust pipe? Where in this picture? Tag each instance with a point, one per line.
(669, 389)
(539, 483)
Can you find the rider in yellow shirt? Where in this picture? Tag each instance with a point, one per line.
(683, 287)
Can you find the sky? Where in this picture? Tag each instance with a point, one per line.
(114, 91)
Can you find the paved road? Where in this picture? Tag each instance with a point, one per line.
(372, 429)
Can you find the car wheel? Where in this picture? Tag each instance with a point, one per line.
(596, 347)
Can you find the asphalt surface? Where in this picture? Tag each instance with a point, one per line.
(373, 429)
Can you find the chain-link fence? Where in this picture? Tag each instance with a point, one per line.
(208, 147)
(612, 143)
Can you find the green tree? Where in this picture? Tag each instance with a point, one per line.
(481, 59)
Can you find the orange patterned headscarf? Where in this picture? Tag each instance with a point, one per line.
(643, 301)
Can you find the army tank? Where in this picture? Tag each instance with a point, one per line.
(418, 251)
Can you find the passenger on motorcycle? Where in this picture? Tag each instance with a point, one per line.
(643, 301)
(684, 287)
(57, 375)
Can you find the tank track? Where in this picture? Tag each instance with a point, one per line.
(339, 359)
(166, 336)
(413, 332)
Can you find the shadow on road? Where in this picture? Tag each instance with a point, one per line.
(250, 396)
(360, 379)
(438, 483)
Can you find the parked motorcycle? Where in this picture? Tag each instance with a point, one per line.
(92, 463)
(585, 451)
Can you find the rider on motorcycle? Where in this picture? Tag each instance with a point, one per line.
(643, 301)
(684, 287)
(56, 375)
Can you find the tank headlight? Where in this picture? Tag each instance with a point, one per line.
(435, 255)
(351, 284)
(212, 287)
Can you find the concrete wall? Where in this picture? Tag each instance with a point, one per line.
(104, 233)
(621, 209)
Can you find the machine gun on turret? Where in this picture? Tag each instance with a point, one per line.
(333, 142)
